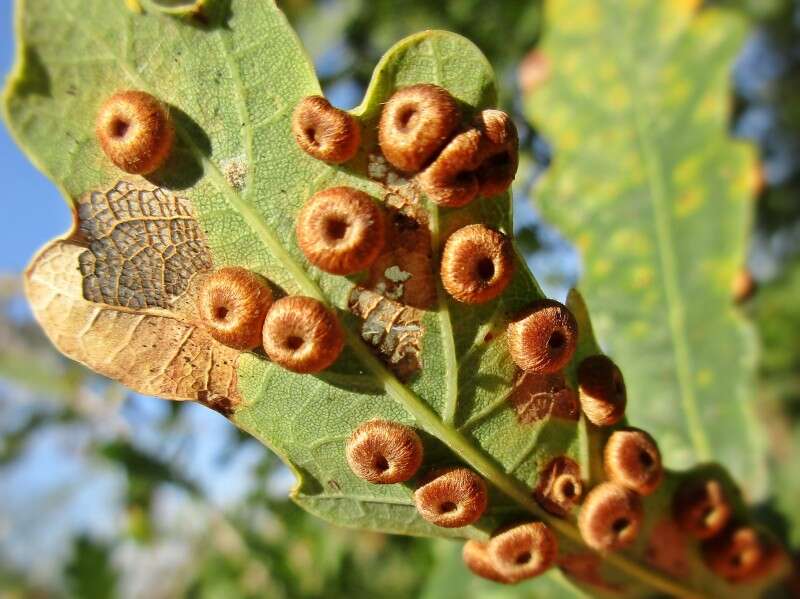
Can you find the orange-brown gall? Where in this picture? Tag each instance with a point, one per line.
(451, 497)
(302, 335)
(384, 452)
(601, 390)
(523, 551)
(325, 132)
(415, 123)
(450, 180)
(559, 488)
(477, 264)
(341, 230)
(741, 554)
(476, 557)
(610, 517)
(135, 131)
(743, 286)
(631, 458)
(499, 152)
(543, 338)
(233, 303)
(701, 508)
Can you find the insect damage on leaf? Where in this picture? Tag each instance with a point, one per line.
(118, 294)
(393, 329)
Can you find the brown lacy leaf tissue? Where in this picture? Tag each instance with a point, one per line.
(118, 294)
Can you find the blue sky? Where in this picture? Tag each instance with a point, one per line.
(35, 211)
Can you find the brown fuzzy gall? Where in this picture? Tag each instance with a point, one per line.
(233, 303)
(415, 123)
(499, 153)
(701, 508)
(325, 132)
(477, 264)
(135, 131)
(523, 551)
(601, 390)
(559, 487)
(741, 554)
(451, 497)
(476, 557)
(384, 452)
(341, 230)
(543, 338)
(302, 335)
(610, 517)
(450, 180)
(631, 458)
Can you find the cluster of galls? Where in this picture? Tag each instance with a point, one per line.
(384, 452)
(342, 231)
(735, 551)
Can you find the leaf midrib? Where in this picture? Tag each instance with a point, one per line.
(421, 411)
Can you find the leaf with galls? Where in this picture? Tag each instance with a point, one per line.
(403, 401)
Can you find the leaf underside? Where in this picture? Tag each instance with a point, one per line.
(127, 274)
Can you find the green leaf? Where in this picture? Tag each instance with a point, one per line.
(656, 196)
(231, 83)
(90, 574)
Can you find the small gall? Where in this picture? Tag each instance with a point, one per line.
(741, 554)
(450, 180)
(135, 131)
(384, 452)
(523, 551)
(451, 497)
(477, 264)
(601, 390)
(499, 152)
(341, 230)
(559, 488)
(743, 286)
(701, 508)
(302, 335)
(476, 557)
(415, 123)
(543, 338)
(233, 303)
(610, 517)
(325, 132)
(631, 458)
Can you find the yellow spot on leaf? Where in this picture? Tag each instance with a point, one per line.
(134, 6)
(601, 267)
(688, 203)
(705, 377)
(619, 98)
(583, 242)
(642, 277)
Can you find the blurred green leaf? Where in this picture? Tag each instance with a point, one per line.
(656, 196)
(89, 573)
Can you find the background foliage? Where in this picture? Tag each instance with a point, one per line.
(105, 493)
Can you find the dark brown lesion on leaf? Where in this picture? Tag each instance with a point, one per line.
(586, 568)
(667, 550)
(143, 246)
(539, 396)
(218, 403)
